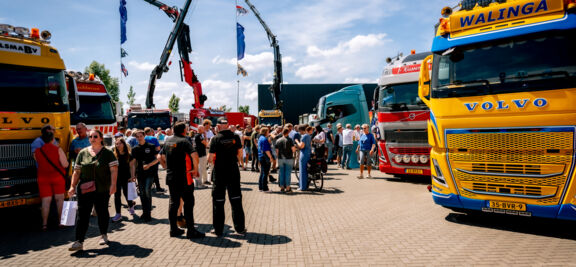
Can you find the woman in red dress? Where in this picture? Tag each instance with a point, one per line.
(52, 164)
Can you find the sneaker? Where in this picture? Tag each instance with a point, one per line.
(103, 240)
(274, 171)
(216, 234)
(207, 183)
(242, 232)
(272, 179)
(176, 232)
(360, 177)
(131, 210)
(76, 246)
(145, 218)
(160, 190)
(193, 233)
(369, 176)
(117, 217)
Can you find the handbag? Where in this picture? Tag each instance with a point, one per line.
(132, 192)
(69, 212)
(52, 164)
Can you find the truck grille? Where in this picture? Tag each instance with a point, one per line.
(410, 136)
(532, 163)
(17, 171)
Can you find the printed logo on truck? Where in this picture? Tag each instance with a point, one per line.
(502, 105)
(19, 48)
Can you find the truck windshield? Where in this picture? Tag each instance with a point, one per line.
(32, 89)
(271, 120)
(320, 112)
(526, 63)
(152, 120)
(94, 110)
(397, 97)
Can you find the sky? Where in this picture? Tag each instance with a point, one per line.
(321, 41)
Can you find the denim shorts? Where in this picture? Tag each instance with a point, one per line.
(364, 157)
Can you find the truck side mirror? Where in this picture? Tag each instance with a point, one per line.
(73, 99)
(424, 80)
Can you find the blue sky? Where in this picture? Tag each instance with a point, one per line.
(322, 41)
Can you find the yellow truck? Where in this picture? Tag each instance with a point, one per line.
(33, 85)
(501, 94)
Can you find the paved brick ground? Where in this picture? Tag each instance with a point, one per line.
(381, 221)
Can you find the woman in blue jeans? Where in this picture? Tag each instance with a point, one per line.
(265, 156)
(285, 150)
(305, 150)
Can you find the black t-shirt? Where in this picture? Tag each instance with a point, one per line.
(248, 142)
(124, 166)
(176, 149)
(225, 145)
(144, 154)
(284, 146)
(200, 147)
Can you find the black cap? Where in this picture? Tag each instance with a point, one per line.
(222, 120)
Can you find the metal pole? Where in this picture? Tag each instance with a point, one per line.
(238, 97)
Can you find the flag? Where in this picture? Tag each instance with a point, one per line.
(240, 45)
(123, 52)
(124, 70)
(241, 11)
(241, 71)
(123, 19)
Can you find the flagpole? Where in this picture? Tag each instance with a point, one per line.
(238, 78)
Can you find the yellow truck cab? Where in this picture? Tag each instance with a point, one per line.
(502, 116)
(33, 87)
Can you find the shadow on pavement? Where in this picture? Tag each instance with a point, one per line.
(115, 249)
(22, 236)
(262, 239)
(535, 226)
(406, 179)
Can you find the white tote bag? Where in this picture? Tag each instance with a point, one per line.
(69, 212)
(132, 193)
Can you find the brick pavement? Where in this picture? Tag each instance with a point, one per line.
(380, 221)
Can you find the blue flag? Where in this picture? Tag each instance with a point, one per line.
(123, 19)
(240, 45)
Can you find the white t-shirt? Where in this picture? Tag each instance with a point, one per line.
(320, 138)
(209, 134)
(347, 137)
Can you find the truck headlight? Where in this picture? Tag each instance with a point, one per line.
(398, 158)
(439, 178)
(415, 159)
(406, 159)
(424, 159)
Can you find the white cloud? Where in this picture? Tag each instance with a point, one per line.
(141, 65)
(311, 71)
(257, 62)
(356, 44)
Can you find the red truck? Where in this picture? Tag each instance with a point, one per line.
(402, 116)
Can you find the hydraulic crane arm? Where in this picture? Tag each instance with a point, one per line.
(178, 18)
(276, 87)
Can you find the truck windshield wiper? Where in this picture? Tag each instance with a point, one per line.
(458, 82)
(542, 74)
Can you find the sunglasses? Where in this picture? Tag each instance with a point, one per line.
(94, 136)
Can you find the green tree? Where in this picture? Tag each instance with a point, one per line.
(110, 82)
(131, 96)
(225, 109)
(174, 104)
(245, 109)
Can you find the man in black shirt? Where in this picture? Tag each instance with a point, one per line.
(145, 157)
(177, 151)
(225, 153)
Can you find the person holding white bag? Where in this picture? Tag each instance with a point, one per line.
(126, 171)
(95, 174)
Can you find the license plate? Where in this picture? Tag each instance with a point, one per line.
(507, 205)
(414, 171)
(12, 203)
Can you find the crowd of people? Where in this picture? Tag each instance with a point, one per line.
(187, 156)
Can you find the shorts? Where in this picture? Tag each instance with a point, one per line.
(248, 150)
(48, 187)
(364, 157)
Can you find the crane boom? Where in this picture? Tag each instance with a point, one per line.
(276, 87)
(178, 18)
